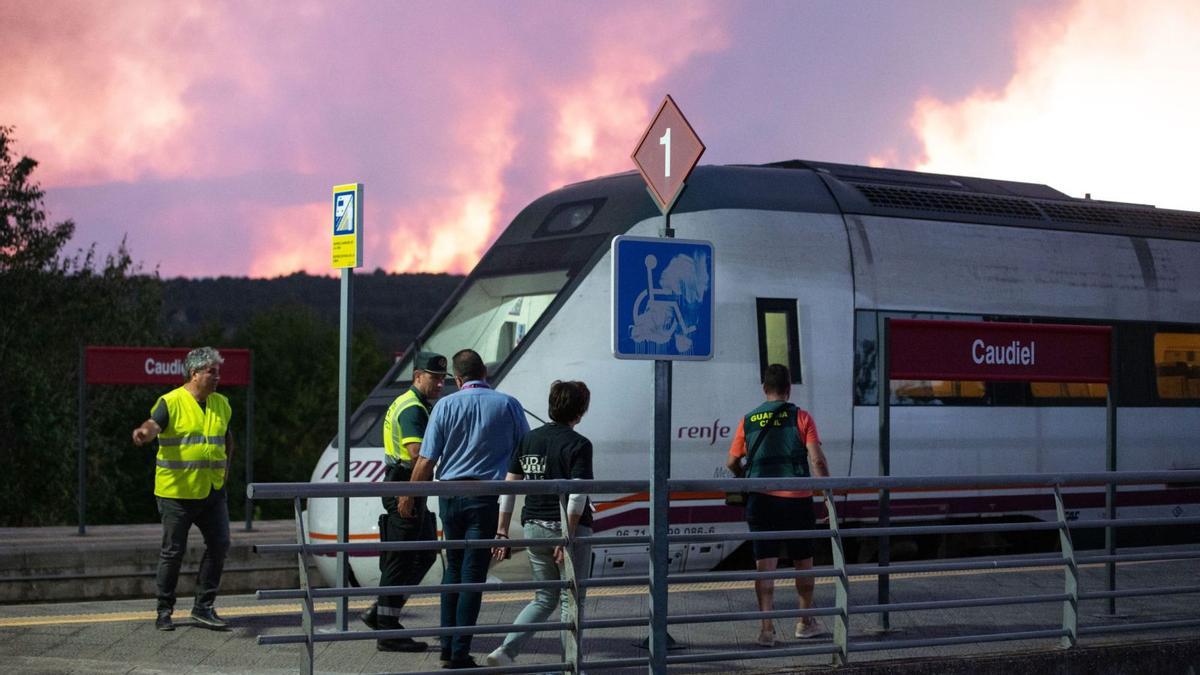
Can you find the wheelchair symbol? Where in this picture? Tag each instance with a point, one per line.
(656, 315)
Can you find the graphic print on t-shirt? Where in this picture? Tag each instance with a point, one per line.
(533, 466)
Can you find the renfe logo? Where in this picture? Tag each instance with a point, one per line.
(1012, 354)
(155, 367)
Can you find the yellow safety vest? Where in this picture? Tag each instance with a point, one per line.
(191, 450)
(394, 438)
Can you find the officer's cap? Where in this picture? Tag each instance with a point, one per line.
(430, 362)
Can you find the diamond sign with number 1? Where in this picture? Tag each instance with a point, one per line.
(667, 153)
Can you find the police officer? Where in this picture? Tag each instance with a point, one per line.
(403, 431)
(191, 424)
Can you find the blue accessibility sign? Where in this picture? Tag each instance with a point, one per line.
(662, 293)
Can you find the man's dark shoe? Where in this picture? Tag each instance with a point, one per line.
(207, 617)
(371, 617)
(163, 622)
(459, 664)
(401, 645)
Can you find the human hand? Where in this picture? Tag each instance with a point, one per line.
(140, 436)
(501, 552)
(559, 555)
(404, 506)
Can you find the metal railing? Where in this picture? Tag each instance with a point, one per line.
(843, 643)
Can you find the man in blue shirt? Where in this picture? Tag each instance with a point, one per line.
(471, 436)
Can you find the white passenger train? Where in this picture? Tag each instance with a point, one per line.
(809, 256)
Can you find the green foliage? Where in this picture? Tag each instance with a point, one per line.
(51, 305)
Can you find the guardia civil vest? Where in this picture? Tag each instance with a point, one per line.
(781, 452)
(394, 439)
(191, 450)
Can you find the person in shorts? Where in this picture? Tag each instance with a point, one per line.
(783, 442)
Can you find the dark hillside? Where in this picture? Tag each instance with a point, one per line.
(394, 306)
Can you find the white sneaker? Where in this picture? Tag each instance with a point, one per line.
(809, 628)
(499, 657)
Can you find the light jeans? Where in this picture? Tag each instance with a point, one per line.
(541, 562)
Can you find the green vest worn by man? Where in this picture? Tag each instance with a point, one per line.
(394, 440)
(191, 450)
(781, 452)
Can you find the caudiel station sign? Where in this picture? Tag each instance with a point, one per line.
(998, 351)
(1014, 353)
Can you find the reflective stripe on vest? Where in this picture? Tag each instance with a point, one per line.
(193, 440)
(191, 457)
(198, 464)
(395, 448)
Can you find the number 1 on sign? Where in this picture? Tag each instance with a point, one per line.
(666, 140)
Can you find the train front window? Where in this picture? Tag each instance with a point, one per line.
(492, 317)
(1177, 365)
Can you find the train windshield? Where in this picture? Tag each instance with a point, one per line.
(492, 317)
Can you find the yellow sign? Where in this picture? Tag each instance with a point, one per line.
(347, 225)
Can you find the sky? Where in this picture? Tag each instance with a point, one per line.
(207, 134)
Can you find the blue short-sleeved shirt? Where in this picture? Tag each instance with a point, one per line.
(472, 433)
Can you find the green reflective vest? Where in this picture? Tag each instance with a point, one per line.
(191, 450)
(781, 452)
(395, 437)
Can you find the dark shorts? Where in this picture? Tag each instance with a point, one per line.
(768, 513)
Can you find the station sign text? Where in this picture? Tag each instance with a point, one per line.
(998, 351)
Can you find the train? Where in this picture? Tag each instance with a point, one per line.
(809, 258)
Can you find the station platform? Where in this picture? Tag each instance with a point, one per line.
(119, 636)
(42, 564)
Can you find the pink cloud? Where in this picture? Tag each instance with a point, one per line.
(1103, 100)
(242, 115)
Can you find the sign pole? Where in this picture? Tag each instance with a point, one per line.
(343, 505)
(250, 445)
(660, 504)
(82, 441)
(885, 469)
(1110, 459)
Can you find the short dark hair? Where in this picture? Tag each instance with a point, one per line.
(469, 365)
(777, 379)
(568, 401)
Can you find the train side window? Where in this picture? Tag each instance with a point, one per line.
(907, 392)
(779, 335)
(1177, 365)
(1069, 391)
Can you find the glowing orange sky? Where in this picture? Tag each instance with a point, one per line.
(209, 133)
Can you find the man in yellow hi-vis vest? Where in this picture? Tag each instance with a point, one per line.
(195, 446)
(403, 432)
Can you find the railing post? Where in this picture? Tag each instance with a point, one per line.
(1070, 620)
(572, 596)
(306, 614)
(841, 623)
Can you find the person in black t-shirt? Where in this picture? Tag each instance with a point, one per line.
(553, 452)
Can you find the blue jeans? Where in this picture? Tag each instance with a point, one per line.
(211, 515)
(541, 563)
(465, 518)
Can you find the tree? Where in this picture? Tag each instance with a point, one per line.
(50, 305)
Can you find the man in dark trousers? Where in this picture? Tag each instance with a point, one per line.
(195, 445)
(403, 432)
(471, 436)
